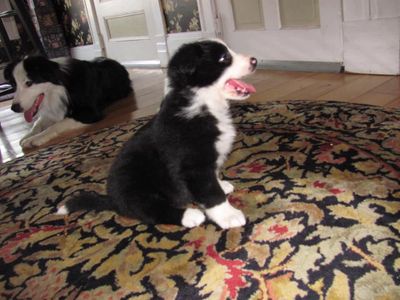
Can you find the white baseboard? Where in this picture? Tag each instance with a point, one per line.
(148, 64)
(304, 66)
(86, 52)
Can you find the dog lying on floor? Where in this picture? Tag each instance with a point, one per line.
(64, 94)
(174, 160)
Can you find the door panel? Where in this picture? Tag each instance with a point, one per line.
(127, 26)
(305, 14)
(248, 15)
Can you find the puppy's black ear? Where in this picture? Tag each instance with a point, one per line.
(183, 65)
(8, 71)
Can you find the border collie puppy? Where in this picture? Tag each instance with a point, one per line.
(64, 94)
(175, 159)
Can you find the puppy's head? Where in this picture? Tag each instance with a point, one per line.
(31, 78)
(211, 63)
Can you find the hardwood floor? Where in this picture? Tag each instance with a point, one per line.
(270, 85)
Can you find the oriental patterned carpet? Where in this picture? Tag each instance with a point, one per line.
(319, 183)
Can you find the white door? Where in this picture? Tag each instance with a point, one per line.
(283, 30)
(132, 31)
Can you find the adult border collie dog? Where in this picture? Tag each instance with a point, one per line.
(175, 159)
(64, 94)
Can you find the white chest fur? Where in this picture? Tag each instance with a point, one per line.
(225, 140)
(217, 105)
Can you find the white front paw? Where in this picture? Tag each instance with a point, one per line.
(27, 143)
(226, 186)
(226, 216)
(193, 217)
(32, 142)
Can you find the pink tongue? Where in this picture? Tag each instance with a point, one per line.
(30, 113)
(235, 83)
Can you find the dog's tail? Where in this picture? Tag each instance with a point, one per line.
(87, 201)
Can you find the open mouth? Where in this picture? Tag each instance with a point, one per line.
(31, 113)
(238, 89)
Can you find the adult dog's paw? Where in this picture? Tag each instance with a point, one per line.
(193, 217)
(32, 142)
(226, 216)
(27, 143)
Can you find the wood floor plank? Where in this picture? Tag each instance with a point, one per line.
(322, 85)
(274, 79)
(375, 98)
(356, 88)
(276, 88)
(395, 103)
(391, 86)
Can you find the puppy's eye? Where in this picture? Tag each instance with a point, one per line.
(29, 83)
(225, 58)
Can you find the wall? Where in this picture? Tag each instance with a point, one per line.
(371, 36)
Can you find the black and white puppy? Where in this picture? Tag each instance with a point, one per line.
(64, 94)
(175, 159)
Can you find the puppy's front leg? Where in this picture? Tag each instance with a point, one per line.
(51, 132)
(226, 216)
(208, 191)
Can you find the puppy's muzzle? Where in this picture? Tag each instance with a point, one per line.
(16, 107)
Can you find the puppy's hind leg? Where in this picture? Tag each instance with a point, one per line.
(157, 210)
(193, 217)
(226, 186)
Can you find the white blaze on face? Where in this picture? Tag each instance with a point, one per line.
(235, 89)
(240, 66)
(26, 95)
(45, 98)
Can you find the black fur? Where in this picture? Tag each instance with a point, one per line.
(197, 65)
(91, 85)
(171, 161)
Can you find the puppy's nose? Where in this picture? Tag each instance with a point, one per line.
(253, 62)
(16, 107)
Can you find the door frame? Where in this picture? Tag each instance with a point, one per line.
(207, 15)
(89, 52)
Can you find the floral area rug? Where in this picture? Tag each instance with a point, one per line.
(318, 182)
